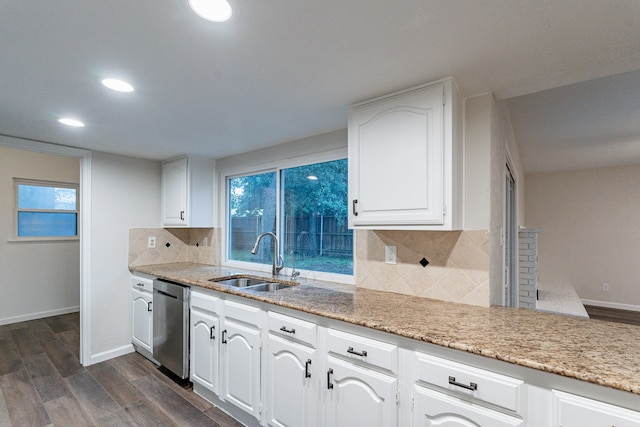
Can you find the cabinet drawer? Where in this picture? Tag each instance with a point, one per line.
(367, 350)
(141, 283)
(206, 302)
(466, 380)
(243, 312)
(576, 411)
(291, 327)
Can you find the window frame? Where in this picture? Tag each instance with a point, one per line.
(51, 184)
(276, 166)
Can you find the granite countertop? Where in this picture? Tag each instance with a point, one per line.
(590, 350)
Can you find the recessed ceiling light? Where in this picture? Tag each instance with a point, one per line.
(212, 10)
(117, 85)
(71, 122)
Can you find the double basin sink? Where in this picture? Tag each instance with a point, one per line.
(253, 284)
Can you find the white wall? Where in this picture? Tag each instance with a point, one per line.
(590, 234)
(125, 193)
(38, 279)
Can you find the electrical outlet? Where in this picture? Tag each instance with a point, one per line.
(390, 253)
(151, 243)
(605, 287)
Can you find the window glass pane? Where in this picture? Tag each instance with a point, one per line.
(314, 224)
(41, 197)
(47, 224)
(252, 210)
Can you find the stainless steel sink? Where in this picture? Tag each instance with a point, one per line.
(239, 282)
(268, 287)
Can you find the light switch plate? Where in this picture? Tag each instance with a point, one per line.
(390, 253)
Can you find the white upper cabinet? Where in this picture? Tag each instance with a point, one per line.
(187, 192)
(403, 160)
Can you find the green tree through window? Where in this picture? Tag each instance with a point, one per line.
(313, 217)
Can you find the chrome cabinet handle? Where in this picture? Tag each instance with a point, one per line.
(149, 305)
(329, 383)
(363, 353)
(289, 331)
(307, 372)
(224, 336)
(140, 284)
(211, 335)
(182, 215)
(354, 208)
(471, 386)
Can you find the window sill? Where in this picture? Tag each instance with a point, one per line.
(43, 239)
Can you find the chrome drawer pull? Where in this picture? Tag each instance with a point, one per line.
(471, 386)
(211, 335)
(363, 353)
(149, 305)
(289, 331)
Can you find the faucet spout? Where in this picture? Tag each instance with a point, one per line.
(278, 262)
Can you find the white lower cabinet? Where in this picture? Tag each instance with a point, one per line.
(361, 383)
(575, 411)
(432, 408)
(206, 310)
(311, 376)
(240, 356)
(292, 398)
(142, 315)
(205, 359)
(359, 396)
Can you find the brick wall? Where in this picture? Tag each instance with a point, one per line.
(528, 275)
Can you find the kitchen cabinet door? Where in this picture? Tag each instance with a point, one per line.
(205, 358)
(187, 192)
(432, 408)
(358, 396)
(292, 398)
(174, 192)
(142, 319)
(401, 161)
(240, 349)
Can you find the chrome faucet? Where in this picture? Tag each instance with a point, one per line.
(278, 262)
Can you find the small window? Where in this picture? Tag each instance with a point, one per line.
(46, 210)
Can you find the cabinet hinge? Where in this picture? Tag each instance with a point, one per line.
(444, 209)
(260, 408)
(413, 401)
(444, 98)
(397, 395)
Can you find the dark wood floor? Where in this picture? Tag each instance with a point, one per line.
(42, 383)
(613, 315)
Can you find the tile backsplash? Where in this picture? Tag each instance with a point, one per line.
(184, 245)
(458, 268)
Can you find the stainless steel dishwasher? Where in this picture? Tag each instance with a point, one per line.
(171, 326)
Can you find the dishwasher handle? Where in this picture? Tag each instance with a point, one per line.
(165, 294)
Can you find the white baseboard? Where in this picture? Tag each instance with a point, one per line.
(39, 315)
(110, 354)
(606, 304)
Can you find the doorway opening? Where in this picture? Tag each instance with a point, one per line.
(510, 241)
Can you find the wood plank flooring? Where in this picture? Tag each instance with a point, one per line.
(613, 315)
(43, 384)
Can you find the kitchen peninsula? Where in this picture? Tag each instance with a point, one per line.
(531, 342)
